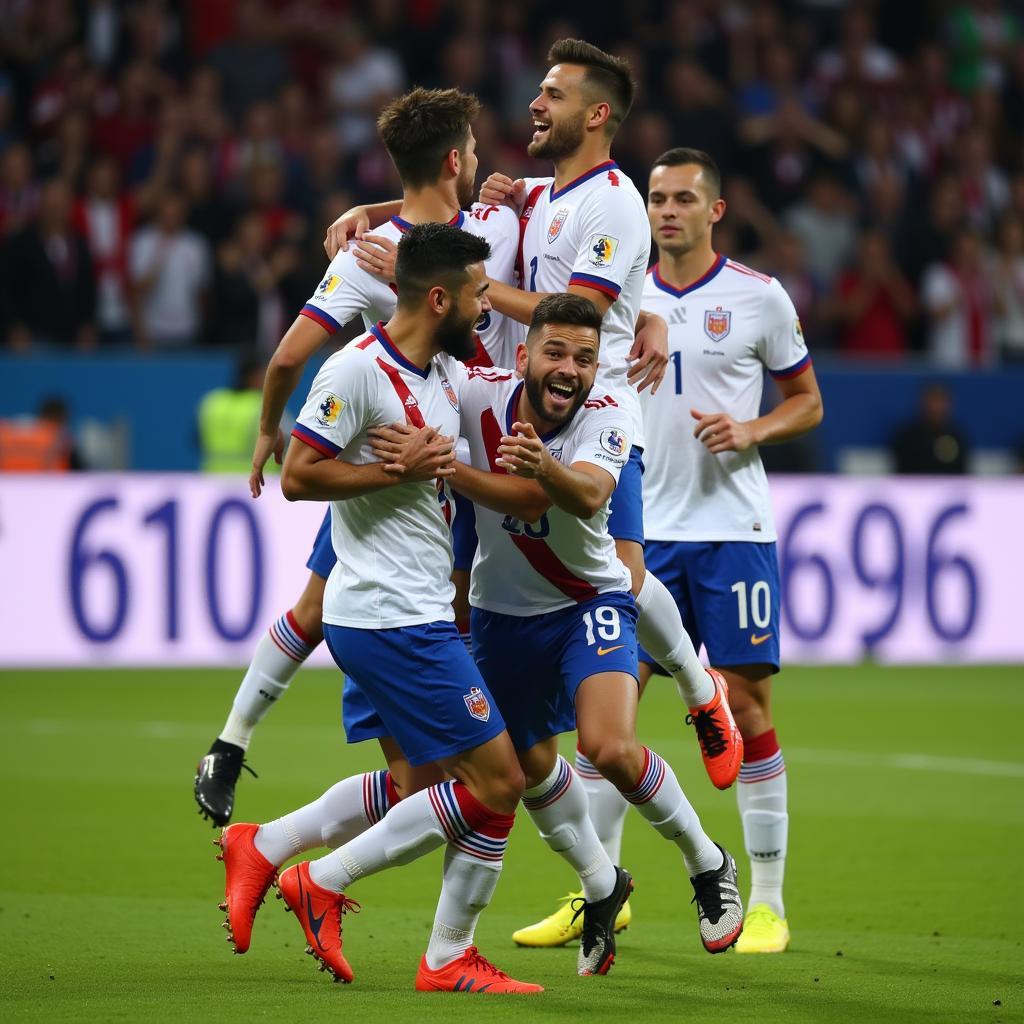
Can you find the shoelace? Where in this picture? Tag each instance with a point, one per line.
(758, 919)
(707, 894)
(710, 734)
(474, 958)
(222, 765)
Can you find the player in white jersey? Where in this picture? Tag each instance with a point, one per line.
(428, 134)
(548, 586)
(388, 622)
(707, 510)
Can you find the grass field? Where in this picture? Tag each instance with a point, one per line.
(904, 878)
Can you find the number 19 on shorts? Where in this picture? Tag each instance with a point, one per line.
(603, 620)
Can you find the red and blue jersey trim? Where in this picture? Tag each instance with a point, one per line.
(381, 334)
(314, 440)
(600, 284)
(318, 316)
(712, 272)
(606, 167)
(792, 371)
(403, 225)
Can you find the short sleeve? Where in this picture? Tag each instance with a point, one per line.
(613, 235)
(341, 295)
(781, 345)
(603, 438)
(340, 403)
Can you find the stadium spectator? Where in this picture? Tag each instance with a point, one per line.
(19, 192)
(39, 444)
(1007, 276)
(170, 269)
(48, 278)
(931, 442)
(229, 420)
(825, 224)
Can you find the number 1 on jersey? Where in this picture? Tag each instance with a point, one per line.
(533, 274)
(677, 365)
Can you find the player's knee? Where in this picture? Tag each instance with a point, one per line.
(752, 717)
(612, 756)
(505, 789)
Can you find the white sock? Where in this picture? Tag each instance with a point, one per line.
(421, 822)
(761, 796)
(466, 889)
(607, 807)
(558, 807)
(661, 633)
(348, 808)
(280, 652)
(660, 799)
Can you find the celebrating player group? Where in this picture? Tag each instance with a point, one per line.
(541, 465)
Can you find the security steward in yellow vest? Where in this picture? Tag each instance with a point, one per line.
(229, 420)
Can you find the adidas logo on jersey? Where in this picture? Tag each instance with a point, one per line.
(410, 401)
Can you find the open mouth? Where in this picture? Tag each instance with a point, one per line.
(540, 129)
(562, 393)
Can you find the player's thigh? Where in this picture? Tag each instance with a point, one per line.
(734, 587)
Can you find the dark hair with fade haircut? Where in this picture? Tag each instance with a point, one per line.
(682, 155)
(422, 127)
(435, 254)
(567, 309)
(609, 76)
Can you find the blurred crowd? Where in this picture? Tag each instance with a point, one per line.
(168, 169)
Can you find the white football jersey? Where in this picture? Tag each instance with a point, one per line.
(394, 545)
(347, 290)
(593, 232)
(724, 330)
(532, 568)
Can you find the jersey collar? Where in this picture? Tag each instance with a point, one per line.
(381, 335)
(510, 415)
(708, 274)
(608, 165)
(404, 225)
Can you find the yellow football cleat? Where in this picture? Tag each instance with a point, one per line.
(763, 931)
(560, 928)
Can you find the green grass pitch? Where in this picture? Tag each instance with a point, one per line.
(904, 877)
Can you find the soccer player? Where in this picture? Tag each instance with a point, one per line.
(551, 588)
(388, 622)
(707, 509)
(428, 134)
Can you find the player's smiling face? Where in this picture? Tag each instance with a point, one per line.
(558, 365)
(559, 114)
(454, 334)
(681, 208)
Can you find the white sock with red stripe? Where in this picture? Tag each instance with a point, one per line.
(606, 807)
(558, 807)
(280, 652)
(348, 808)
(661, 632)
(420, 823)
(761, 796)
(658, 796)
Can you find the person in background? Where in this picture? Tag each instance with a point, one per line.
(1007, 276)
(932, 442)
(40, 443)
(229, 420)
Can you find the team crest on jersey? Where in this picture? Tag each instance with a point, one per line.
(614, 442)
(602, 250)
(717, 323)
(477, 704)
(329, 410)
(449, 393)
(798, 334)
(555, 227)
(327, 285)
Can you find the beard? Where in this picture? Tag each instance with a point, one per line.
(536, 392)
(560, 140)
(465, 191)
(454, 336)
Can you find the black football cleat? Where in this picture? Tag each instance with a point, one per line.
(216, 777)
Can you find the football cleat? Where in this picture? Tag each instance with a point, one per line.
(721, 744)
(319, 911)
(472, 972)
(719, 908)
(563, 925)
(763, 931)
(597, 943)
(247, 877)
(216, 777)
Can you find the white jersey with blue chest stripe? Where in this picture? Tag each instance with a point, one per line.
(725, 330)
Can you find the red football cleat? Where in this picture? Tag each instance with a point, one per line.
(721, 744)
(247, 877)
(472, 972)
(319, 912)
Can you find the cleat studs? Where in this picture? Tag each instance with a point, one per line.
(222, 906)
(225, 925)
(309, 950)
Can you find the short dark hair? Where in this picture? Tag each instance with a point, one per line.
(682, 155)
(435, 254)
(607, 77)
(565, 308)
(422, 127)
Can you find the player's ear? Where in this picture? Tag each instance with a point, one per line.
(522, 358)
(453, 163)
(438, 299)
(717, 210)
(599, 115)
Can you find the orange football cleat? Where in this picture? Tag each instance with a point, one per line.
(319, 912)
(247, 877)
(472, 972)
(721, 744)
